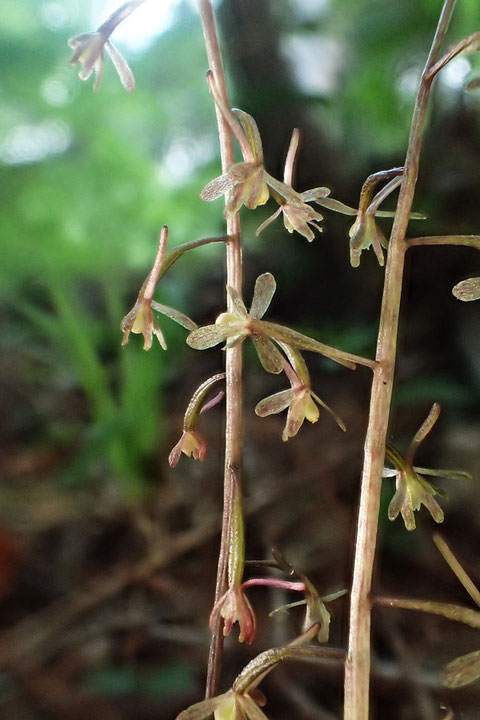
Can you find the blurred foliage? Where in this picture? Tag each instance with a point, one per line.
(87, 180)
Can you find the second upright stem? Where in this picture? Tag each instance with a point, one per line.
(357, 669)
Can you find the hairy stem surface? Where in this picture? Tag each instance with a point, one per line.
(357, 669)
(233, 360)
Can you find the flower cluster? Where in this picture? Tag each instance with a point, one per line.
(248, 183)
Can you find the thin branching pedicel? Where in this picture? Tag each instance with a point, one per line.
(140, 319)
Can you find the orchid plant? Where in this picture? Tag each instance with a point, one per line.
(280, 350)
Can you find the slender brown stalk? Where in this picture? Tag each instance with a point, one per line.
(357, 669)
(466, 240)
(233, 361)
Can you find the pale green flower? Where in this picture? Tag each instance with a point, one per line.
(88, 49)
(412, 489)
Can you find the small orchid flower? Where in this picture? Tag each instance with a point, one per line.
(191, 441)
(88, 49)
(244, 181)
(300, 399)
(248, 183)
(233, 607)
(412, 489)
(140, 320)
(297, 215)
(237, 325)
(364, 232)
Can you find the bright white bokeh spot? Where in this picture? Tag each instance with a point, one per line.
(183, 156)
(138, 30)
(311, 9)
(316, 61)
(407, 82)
(454, 74)
(54, 15)
(32, 143)
(55, 92)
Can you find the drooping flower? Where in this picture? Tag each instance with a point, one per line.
(191, 441)
(234, 606)
(297, 215)
(88, 49)
(237, 325)
(412, 489)
(300, 398)
(140, 319)
(364, 233)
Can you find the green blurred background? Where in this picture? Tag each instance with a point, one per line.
(86, 182)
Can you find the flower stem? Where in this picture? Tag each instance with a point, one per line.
(233, 360)
(357, 669)
(467, 240)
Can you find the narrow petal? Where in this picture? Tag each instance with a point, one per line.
(250, 708)
(286, 192)
(217, 187)
(237, 302)
(263, 293)
(274, 404)
(303, 342)
(175, 315)
(423, 431)
(449, 474)
(336, 205)
(295, 418)
(270, 220)
(336, 417)
(207, 336)
(203, 709)
(250, 128)
(398, 499)
(314, 194)
(433, 508)
(270, 357)
(121, 66)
